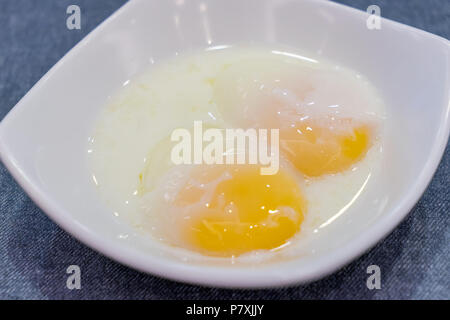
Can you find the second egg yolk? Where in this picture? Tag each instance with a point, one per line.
(316, 150)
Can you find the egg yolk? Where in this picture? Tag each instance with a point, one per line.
(316, 150)
(244, 212)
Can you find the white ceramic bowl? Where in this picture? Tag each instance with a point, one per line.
(43, 139)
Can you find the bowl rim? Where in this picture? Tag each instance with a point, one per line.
(212, 275)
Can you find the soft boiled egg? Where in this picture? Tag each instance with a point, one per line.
(328, 119)
(317, 137)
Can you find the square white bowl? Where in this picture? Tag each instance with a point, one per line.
(43, 139)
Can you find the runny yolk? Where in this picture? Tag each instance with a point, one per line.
(316, 150)
(246, 211)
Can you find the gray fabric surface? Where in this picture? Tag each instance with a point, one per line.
(34, 252)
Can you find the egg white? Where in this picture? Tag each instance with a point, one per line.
(131, 138)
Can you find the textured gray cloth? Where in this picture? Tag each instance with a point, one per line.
(34, 252)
